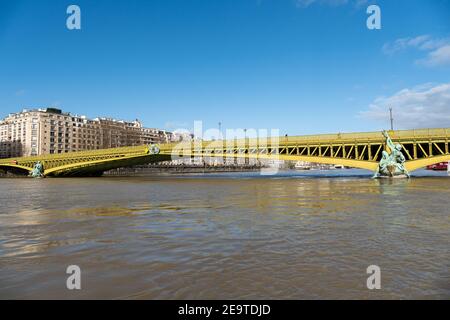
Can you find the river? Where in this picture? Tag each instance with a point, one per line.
(295, 235)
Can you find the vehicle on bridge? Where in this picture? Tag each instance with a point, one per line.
(441, 166)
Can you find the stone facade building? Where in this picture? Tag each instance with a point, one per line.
(51, 131)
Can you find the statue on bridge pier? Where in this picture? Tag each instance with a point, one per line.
(38, 170)
(153, 149)
(392, 164)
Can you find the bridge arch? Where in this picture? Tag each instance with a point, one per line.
(422, 163)
(360, 164)
(97, 167)
(18, 169)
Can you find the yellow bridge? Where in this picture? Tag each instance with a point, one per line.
(359, 150)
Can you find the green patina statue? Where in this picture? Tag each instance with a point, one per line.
(392, 164)
(154, 149)
(38, 170)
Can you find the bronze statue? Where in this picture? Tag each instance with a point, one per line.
(392, 164)
(38, 170)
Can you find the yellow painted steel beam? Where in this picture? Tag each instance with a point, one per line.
(422, 163)
(14, 166)
(351, 139)
(368, 165)
(106, 164)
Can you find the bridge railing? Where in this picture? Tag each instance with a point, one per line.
(80, 154)
(338, 138)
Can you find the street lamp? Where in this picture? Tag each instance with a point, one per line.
(245, 146)
(391, 118)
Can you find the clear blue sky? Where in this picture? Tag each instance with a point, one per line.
(300, 66)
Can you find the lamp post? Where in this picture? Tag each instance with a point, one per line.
(221, 139)
(245, 146)
(391, 118)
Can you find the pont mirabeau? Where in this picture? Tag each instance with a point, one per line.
(224, 159)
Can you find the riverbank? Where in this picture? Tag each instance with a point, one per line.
(174, 169)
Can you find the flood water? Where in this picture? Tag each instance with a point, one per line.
(226, 236)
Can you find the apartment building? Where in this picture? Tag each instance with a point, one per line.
(117, 133)
(51, 131)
